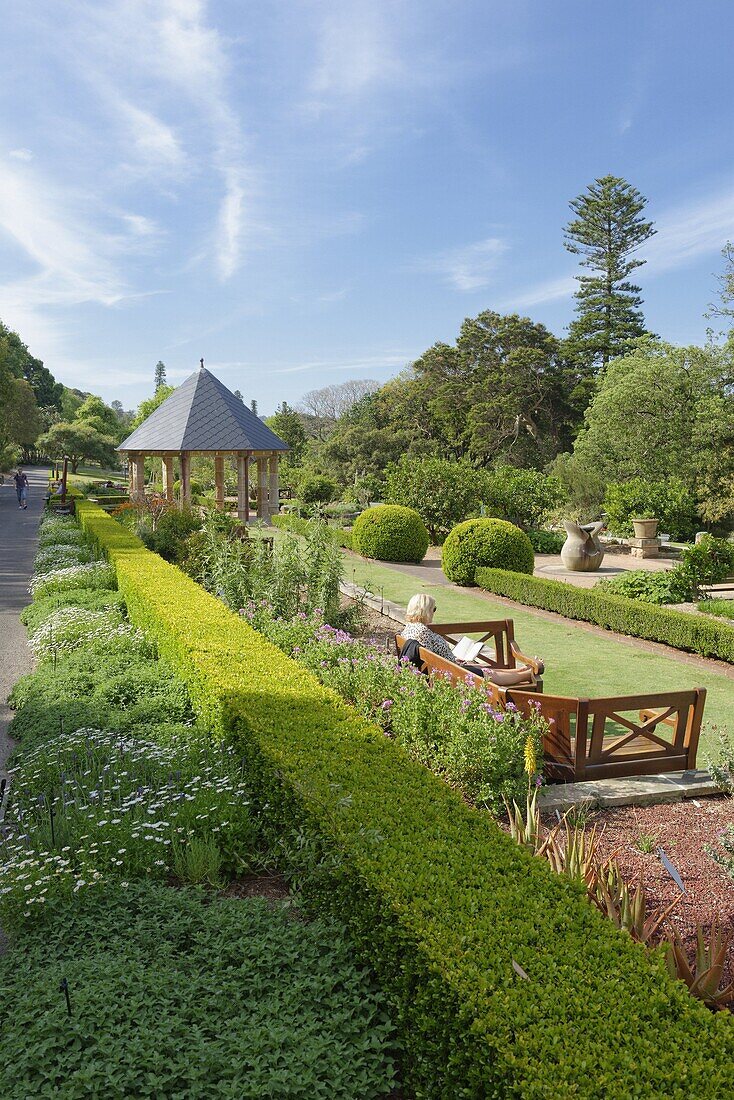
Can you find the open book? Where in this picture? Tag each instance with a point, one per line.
(467, 650)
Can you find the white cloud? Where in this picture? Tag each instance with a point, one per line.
(154, 143)
(470, 267)
(689, 231)
(356, 50)
(551, 290)
(21, 154)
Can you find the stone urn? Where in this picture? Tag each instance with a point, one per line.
(645, 528)
(582, 552)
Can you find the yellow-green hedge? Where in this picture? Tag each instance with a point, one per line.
(438, 899)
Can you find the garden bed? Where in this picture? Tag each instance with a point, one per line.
(682, 830)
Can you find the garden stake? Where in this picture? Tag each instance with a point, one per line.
(51, 816)
(64, 988)
(672, 870)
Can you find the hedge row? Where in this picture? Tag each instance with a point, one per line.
(642, 620)
(437, 898)
(300, 526)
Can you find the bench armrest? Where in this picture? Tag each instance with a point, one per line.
(533, 663)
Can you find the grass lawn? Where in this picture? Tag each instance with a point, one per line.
(95, 473)
(577, 661)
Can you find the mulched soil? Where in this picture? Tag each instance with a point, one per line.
(375, 628)
(681, 829)
(271, 886)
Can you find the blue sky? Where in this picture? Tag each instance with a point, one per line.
(313, 190)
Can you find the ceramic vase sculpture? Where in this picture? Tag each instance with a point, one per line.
(582, 552)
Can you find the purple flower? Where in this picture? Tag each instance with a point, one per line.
(386, 704)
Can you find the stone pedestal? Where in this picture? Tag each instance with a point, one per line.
(644, 548)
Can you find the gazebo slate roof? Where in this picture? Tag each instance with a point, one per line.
(202, 415)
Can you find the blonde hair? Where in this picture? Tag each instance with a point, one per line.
(420, 608)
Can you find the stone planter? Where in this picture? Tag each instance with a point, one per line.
(645, 528)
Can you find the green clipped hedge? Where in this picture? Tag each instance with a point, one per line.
(390, 532)
(436, 897)
(495, 543)
(626, 616)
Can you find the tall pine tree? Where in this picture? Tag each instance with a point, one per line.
(606, 232)
(160, 375)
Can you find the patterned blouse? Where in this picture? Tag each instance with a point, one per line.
(428, 639)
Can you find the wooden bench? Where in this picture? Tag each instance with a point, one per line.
(613, 737)
(507, 655)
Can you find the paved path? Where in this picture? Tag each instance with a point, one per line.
(18, 537)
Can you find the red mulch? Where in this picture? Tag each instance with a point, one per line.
(681, 829)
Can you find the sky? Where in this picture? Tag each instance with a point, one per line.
(307, 191)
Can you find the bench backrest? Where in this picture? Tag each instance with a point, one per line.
(500, 632)
(616, 736)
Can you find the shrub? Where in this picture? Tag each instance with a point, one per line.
(171, 531)
(90, 599)
(669, 501)
(546, 542)
(318, 489)
(341, 535)
(642, 584)
(390, 532)
(436, 897)
(490, 543)
(443, 493)
(71, 627)
(696, 633)
(180, 994)
(52, 558)
(708, 562)
(524, 497)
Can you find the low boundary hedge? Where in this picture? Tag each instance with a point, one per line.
(437, 898)
(626, 616)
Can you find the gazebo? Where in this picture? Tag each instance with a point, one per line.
(203, 417)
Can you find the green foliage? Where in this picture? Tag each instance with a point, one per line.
(546, 542)
(443, 493)
(300, 526)
(663, 411)
(81, 441)
(524, 497)
(679, 629)
(318, 489)
(179, 995)
(390, 532)
(288, 425)
(436, 897)
(708, 562)
(607, 230)
(491, 543)
(90, 599)
(670, 501)
(171, 531)
(724, 608)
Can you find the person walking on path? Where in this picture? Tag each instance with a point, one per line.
(21, 487)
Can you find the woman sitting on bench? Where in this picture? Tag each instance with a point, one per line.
(418, 617)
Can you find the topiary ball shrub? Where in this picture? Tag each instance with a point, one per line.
(390, 532)
(493, 543)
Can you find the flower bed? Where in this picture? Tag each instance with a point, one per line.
(436, 897)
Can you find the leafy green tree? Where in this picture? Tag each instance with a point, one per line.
(287, 424)
(22, 364)
(607, 230)
(662, 411)
(23, 421)
(71, 400)
(524, 497)
(79, 441)
(442, 492)
(145, 408)
(159, 378)
(105, 420)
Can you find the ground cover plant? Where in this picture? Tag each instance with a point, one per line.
(723, 608)
(171, 991)
(435, 896)
(709, 562)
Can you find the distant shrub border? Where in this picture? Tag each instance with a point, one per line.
(679, 629)
(436, 897)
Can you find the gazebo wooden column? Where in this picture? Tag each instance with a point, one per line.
(262, 488)
(243, 487)
(138, 478)
(219, 483)
(274, 501)
(168, 477)
(185, 463)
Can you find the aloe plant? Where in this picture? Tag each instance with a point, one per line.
(703, 973)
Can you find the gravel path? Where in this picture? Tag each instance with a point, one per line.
(18, 536)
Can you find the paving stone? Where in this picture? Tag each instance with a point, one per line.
(638, 790)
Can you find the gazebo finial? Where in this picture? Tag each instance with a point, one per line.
(201, 362)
